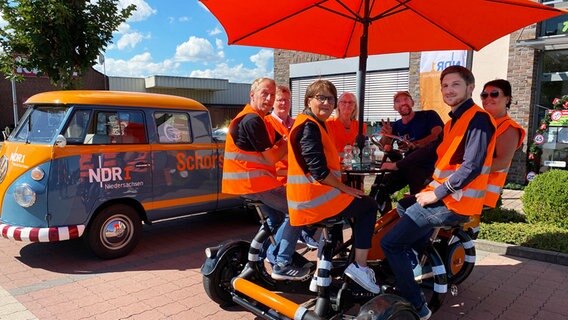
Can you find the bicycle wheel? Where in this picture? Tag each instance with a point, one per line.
(433, 279)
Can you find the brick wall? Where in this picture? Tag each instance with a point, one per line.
(93, 80)
(414, 78)
(283, 59)
(522, 74)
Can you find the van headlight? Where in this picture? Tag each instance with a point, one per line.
(24, 195)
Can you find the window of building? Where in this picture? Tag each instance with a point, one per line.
(557, 25)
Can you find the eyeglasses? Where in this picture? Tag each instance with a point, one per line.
(282, 100)
(322, 99)
(493, 94)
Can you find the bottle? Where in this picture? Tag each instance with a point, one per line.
(347, 157)
(356, 163)
(366, 155)
(374, 157)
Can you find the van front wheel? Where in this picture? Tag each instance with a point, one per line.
(114, 232)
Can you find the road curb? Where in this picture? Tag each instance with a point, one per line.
(523, 252)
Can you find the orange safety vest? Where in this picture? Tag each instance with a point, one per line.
(469, 200)
(497, 178)
(246, 172)
(283, 131)
(340, 136)
(310, 201)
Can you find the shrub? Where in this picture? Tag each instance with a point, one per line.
(502, 215)
(546, 198)
(537, 235)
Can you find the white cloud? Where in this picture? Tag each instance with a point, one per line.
(262, 58)
(130, 40)
(123, 28)
(142, 12)
(138, 66)
(219, 44)
(215, 31)
(239, 73)
(196, 49)
(183, 19)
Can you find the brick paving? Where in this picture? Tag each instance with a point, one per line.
(161, 279)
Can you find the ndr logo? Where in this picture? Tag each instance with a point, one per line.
(106, 174)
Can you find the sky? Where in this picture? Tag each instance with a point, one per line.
(180, 38)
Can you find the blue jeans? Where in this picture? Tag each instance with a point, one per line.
(276, 208)
(414, 226)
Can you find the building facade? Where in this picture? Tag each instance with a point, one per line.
(534, 59)
(224, 99)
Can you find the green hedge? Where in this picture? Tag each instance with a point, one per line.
(533, 235)
(546, 199)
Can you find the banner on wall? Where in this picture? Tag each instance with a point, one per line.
(431, 65)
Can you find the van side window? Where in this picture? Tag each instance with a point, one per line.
(117, 127)
(173, 127)
(76, 129)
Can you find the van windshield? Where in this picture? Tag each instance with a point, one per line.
(41, 124)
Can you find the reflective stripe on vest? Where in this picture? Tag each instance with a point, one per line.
(442, 174)
(310, 201)
(255, 158)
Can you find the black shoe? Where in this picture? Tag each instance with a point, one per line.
(290, 272)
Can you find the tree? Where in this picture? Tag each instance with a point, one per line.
(59, 38)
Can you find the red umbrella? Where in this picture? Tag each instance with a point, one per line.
(349, 28)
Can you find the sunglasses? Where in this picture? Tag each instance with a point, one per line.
(493, 94)
(322, 99)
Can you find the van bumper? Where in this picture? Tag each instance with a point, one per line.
(50, 234)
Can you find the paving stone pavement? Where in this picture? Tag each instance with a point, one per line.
(161, 279)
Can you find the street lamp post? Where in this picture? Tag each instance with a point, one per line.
(14, 101)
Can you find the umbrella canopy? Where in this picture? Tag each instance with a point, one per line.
(350, 28)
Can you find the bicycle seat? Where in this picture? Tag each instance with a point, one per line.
(456, 224)
(328, 223)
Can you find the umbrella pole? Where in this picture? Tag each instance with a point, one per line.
(361, 77)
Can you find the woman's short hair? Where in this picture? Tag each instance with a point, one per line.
(319, 86)
(504, 85)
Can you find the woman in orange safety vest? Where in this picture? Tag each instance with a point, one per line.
(344, 127)
(496, 98)
(315, 191)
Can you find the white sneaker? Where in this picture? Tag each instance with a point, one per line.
(363, 277)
